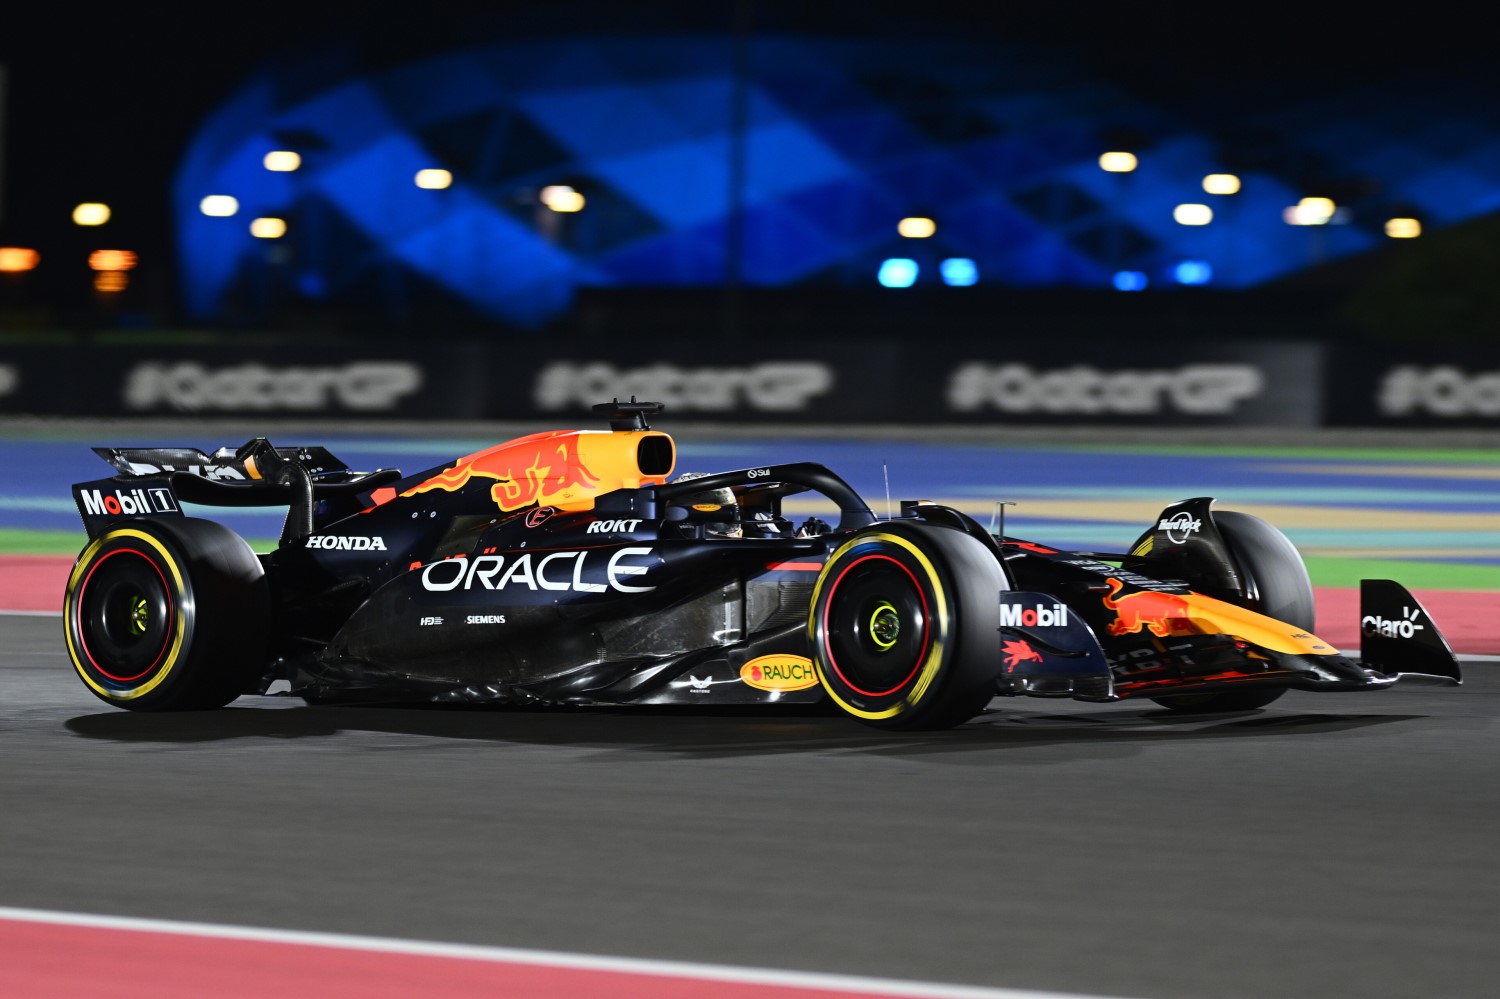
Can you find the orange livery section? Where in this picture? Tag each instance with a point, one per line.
(561, 469)
(1166, 614)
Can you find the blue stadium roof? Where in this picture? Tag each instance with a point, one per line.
(797, 177)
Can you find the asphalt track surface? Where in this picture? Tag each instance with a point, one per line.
(1329, 845)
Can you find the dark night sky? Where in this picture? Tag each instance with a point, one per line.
(103, 99)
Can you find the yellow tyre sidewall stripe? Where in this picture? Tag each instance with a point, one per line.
(935, 655)
(70, 610)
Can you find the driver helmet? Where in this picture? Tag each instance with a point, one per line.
(717, 508)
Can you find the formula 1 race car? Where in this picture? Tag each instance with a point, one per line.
(568, 567)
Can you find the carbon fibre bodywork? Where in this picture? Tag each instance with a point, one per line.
(568, 567)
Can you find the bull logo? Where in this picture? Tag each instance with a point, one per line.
(1162, 614)
(542, 469)
(1019, 652)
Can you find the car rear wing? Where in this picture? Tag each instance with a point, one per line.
(155, 482)
(224, 465)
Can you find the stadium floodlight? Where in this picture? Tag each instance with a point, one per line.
(1193, 214)
(15, 259)
(282, 161)
(1403, 228)
(219, 205)
(268, 228)
(112, 260)
(91, 213)
(1117, 162)
(434, 179)
(1310, 211)
(916, 227)
(959, 272)
(561, 198)
(1221, 183)
(898, 272)
(1193, 272)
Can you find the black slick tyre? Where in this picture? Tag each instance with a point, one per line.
(164, 615)
(1277, 585)
(904, 626)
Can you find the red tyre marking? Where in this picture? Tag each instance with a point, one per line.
(78, 616)
(828, 652)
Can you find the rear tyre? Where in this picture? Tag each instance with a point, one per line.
(904, 626)
(1277, 585)
(167, 615)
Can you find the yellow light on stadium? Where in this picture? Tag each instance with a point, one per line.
(90, 213)
(15, 259)
(1117, 162)
(282, 160)
(1394, 228)
(268, 228)
(434, 179)
(561, 198)
(1221, 183)
(112, 260)
(219, 205)
(110, 282)
(1193, 214)
(1309, 211)
(916, 228)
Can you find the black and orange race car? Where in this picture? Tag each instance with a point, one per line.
(570, 567)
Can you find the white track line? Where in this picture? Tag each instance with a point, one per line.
(542, 958)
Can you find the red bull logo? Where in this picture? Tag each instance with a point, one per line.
(1162, 614)
(543, 469)
(1019, 652)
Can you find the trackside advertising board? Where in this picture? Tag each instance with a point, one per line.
(1179, 381)
(231, 380)
(1409, 388)
(916, 381)
(1272, 384)
(819, 382)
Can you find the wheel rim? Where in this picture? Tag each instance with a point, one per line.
(124, 617)
(885, 626)
(876, 632)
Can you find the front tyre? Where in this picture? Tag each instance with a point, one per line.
(1276, 585)
(1273, 567)
(904, 626)
(167, 615)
